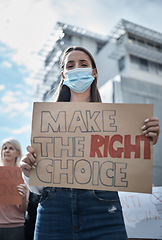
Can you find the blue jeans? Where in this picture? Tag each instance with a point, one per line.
(12, 233)
(73, 214)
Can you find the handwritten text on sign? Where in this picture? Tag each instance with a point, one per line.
(143, 214)
(92, 146)
(10, 178)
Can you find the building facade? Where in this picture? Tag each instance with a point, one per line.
(62, 37)
(129, 63)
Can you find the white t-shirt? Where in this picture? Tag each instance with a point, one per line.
(34, 189)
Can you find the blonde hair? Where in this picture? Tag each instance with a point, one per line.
(16, 145)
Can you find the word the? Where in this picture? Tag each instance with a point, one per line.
(74, 146)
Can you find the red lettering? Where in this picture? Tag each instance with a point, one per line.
(135, 201)
(124, 202)
(147, 150)
(152, 215)
(96, 142)
(106, 146)
(128, 147)
(115, 153)
(110, 146)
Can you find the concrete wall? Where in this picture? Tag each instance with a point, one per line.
(135, 91)
(107, 67)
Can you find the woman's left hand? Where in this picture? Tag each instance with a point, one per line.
(151, 129)
(23, 190)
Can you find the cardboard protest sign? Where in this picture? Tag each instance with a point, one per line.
(92, 146)
(143, 214)
(10, 178)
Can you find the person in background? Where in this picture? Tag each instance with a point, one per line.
(12, 216)
(30, 216)
(65, 213)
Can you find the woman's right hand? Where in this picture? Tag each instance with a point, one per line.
(28, 161)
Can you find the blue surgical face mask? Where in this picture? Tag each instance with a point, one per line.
(78, 79)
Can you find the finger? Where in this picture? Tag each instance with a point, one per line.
(22, 194)
(149, 124)
(151, 129)
(31, 159)
(152, 126)
(26, 166)
(23, 186)
(28, 159)
(22, 190)
(31, 155)
(31, 150)
(152, 135)
(152, 119)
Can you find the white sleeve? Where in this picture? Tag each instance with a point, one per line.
(34, 189)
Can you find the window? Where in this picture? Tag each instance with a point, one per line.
(143, 64)
(153, 67)
(134, 59)
(150, 45)
(158, 48)
(131, 37)
(160, 69)
(146, 65)
(141, 42)
(121, 63)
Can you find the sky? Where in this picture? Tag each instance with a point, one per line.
(25, 26)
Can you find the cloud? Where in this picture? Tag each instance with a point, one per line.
(7, 99)
(11, 103)
(31, 81)
(19, 107)
(2, 87)
(25, 26)
(26, 128)
(6, 64)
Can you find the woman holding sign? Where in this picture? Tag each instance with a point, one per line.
(12, 216)
(65, 213)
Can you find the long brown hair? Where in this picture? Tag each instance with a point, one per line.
(64, 94)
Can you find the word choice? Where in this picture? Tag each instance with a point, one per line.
(82, 172)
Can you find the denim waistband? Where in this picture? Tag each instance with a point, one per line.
(54, 189)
